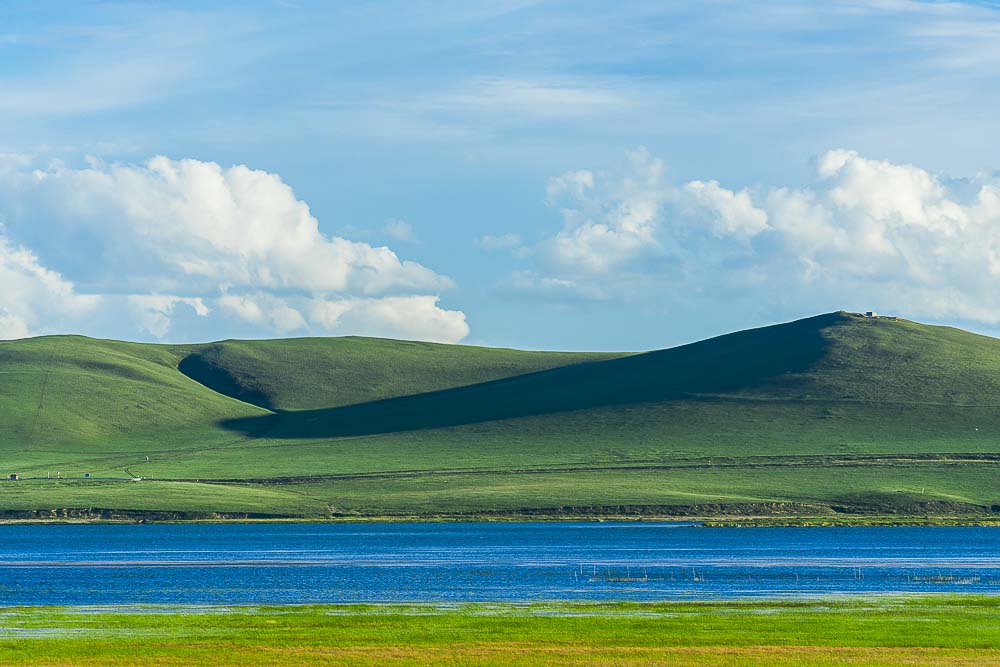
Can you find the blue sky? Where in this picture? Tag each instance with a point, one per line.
(572, 175)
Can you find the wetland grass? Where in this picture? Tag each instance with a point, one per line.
(926, 630)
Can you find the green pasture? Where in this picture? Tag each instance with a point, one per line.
(944, 630)
(929, 488)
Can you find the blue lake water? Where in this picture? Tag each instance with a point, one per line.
(450, 562)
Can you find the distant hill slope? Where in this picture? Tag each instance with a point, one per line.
(72, 391)
(830, 414)
(838, 359)
(69, 393)
(304, 373)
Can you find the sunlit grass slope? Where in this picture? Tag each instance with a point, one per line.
(829, 385)
(839, 361)
(831, 413)
(75, 394)
(305, 373)
(98, 405)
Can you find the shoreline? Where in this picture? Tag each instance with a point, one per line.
(499, 608)
(706, 521)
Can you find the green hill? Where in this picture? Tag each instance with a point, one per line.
(304, 373)
(831, 415)
(68, 393)
(76, 393)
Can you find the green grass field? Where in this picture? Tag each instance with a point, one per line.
(951, 630)
(835, 415)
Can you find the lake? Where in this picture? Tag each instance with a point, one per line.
(453, 562)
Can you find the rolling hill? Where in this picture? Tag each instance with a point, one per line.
(828, 416)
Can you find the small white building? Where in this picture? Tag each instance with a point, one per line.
(871, 313)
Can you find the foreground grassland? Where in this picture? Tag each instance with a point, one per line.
(946, 630)
(833, 417)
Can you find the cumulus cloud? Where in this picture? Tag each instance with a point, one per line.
(869, 232)
(394, 317)
(33, 297)
(197, 222)
(226, 242)
(606, 221)
(153, 312)
(729, 214)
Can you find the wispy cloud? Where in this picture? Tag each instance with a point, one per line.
(127, 57)
(91, 88)
(499, 242)
(399, 230)
(547, 99)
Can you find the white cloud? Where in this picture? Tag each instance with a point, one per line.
(897, 233)
(867, 232)
(12, 326)
(228, 242)
(32, 297)
(729, 213)
(271, 312)
(607, 219)
(153, 312)
(392, 317)
(197, 222)
(244, 307)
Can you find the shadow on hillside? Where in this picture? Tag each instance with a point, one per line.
(747, 361)
(202, 368)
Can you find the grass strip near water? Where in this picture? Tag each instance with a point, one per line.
(938, 630)
(830, 493)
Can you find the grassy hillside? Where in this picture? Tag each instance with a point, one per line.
(309, 373)
(68, 393)
(836, 360)
(827, 415)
